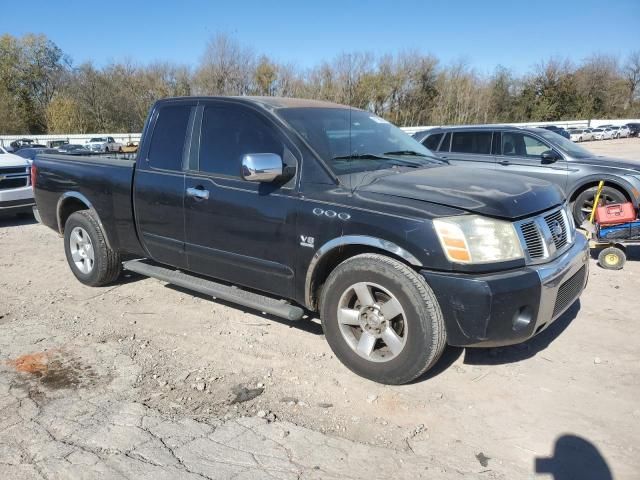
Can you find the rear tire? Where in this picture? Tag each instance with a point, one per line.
(584, 201)
(88, 255)
(396, 335)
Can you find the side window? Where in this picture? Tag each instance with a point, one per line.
(110, 140)
(444, 146)
(471, 142)
(167, 141)
(432, 141)
(228, 133)
(521, 145)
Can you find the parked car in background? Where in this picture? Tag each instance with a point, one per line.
(308, 205)
(634, 129)
(539, 153)
(16, 195)
(580, 135)
(621, 132)
(607, 133)
(57, 143)
(559, 130)
(597, 133)
(25, 143)
(103, 144)
(30, 153)
(130, 147)
(74, 149)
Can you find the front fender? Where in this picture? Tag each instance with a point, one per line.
(349, 240)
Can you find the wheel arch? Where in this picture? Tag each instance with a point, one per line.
(335, 251)
(71, 202)
(611, 181)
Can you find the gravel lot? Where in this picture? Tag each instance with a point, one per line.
(144, 380)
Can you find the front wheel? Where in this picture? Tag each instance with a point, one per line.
(583, 203)
(381, 319)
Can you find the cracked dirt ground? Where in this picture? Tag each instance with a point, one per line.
(141, 380)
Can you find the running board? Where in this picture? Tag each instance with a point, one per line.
(261, 303)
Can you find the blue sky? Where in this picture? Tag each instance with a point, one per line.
(485, 33)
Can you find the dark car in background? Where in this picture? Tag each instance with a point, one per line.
(559, 130)
(74, 149)
(30, 152)
(634, 129)
(540, 153)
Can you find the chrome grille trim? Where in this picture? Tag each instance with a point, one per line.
(545, 236)
(14, 177)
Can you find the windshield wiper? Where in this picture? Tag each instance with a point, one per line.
(360, 156)
(406, 152)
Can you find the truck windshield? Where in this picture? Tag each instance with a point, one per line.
(565, 146)
(353, 141)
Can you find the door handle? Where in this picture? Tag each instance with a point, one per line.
(198, 193)
(504, 162)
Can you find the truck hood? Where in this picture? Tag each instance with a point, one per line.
(11, 160)
(486, 192)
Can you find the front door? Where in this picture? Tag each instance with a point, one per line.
(520, 153)
(239, 231)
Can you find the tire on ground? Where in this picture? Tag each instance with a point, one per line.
(426, 335)
(107, 263)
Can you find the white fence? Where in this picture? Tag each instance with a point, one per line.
(80, 138)
(123, 138)
(594, 123)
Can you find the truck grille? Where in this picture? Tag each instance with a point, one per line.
(545, 236)
(532, 239)
(13, 177)
(569, 291)
(558, 228)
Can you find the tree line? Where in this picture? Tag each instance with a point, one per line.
(42, 91)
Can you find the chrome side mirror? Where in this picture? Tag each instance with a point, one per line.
(261, 167)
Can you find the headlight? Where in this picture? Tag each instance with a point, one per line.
(475, 239)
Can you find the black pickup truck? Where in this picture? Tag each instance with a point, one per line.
(291, 207)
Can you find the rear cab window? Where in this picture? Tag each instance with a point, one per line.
(168, 138)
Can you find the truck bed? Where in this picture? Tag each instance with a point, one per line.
(103, 182)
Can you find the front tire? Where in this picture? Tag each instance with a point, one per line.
(381, 319)
(88, 255)
(584, 201)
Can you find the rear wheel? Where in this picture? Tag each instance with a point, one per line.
(91, 260)
(381, 319)
(583, 203)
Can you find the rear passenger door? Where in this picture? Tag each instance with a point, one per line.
(471, 148)
(519, 152)
(158, 189)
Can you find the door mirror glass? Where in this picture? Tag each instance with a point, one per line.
(549, 156)
(261, 167)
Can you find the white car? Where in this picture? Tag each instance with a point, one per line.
(580, 135)
(607, 133)
(597, 133)
(621, 132)
(16, 195)
(103, 144)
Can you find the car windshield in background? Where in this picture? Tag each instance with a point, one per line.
(98, 140)
(353, 141)
(564, 145)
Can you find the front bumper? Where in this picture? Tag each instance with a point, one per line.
(504, 308)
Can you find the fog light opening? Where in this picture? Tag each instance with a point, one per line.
(522, 318)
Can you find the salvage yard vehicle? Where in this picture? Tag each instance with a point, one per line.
(16, 195)
(537, 153)
(103, 144)
(291, 207)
